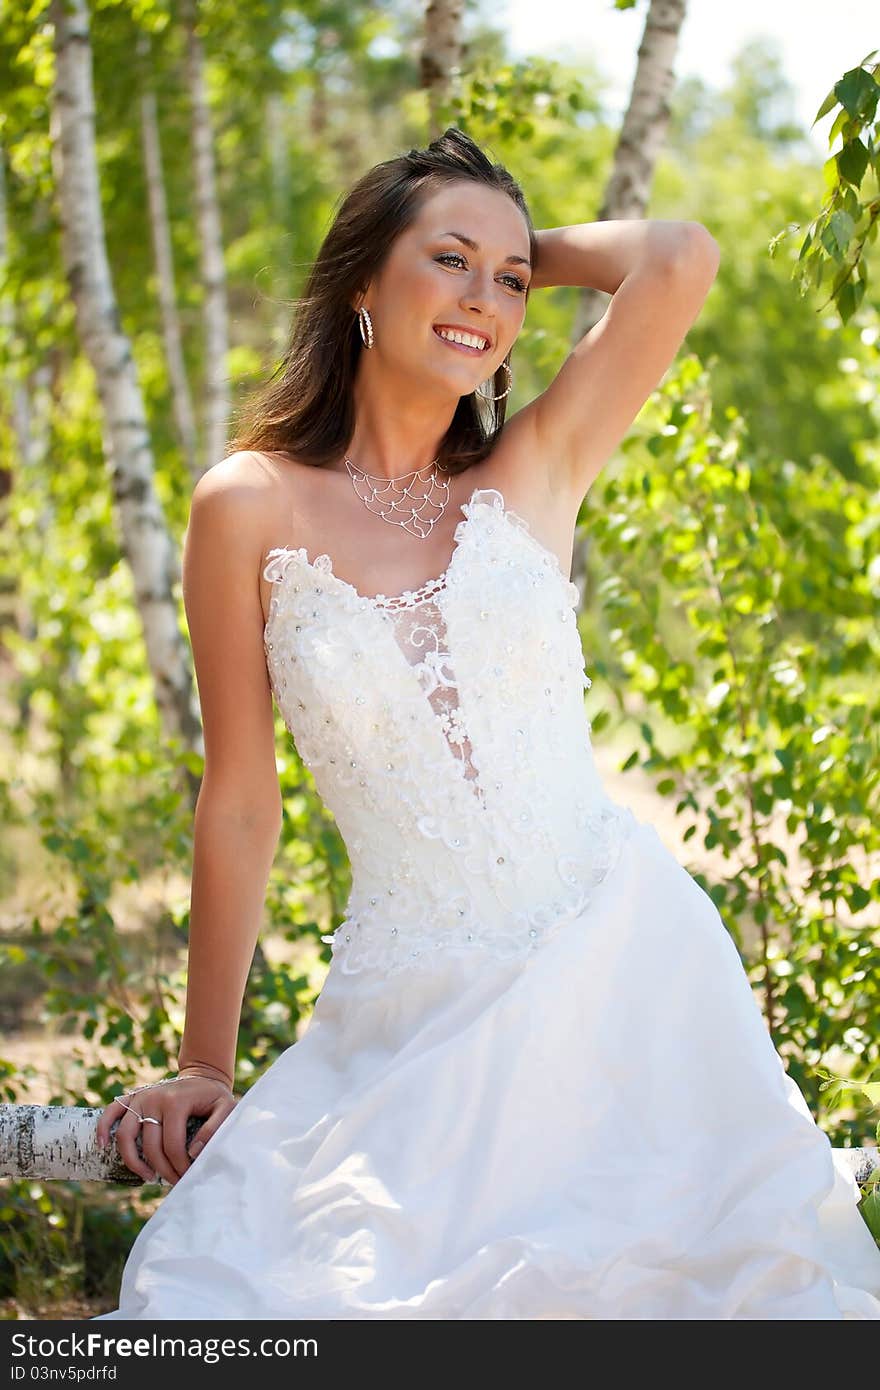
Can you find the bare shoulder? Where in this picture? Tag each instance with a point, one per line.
(245, 477)
(236, 501)
(222, 601)
(229, 518)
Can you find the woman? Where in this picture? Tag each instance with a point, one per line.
(525, 980)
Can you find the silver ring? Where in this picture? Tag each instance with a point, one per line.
(144, 1119)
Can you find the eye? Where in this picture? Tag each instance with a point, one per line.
(518, 284)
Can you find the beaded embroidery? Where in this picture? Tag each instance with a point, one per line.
(462, 777)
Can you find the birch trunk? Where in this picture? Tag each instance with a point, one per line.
(181, 399)
(58, 1141)
(146, 542)
(277, 152)
(213, 269)
(28, 406)
(641, 138)
(30, 415)
(15, 390)
(440, 65)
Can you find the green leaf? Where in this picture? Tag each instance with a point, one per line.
(827, 104)
(869, 1207)
(852, 161)
(846, 301)
(858, 92)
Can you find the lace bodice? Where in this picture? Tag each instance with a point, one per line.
(445, 730)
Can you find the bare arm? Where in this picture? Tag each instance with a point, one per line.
(238, 815)
(658, 274)
(600, 255)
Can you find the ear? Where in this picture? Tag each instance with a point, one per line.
(363, 291)
(359, 296)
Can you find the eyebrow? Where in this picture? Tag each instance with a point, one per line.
(468, 241)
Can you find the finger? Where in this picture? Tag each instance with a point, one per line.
(171, 1142)
(126, 1136)
(218, 1114)
(153, 1145)
(106, 1119)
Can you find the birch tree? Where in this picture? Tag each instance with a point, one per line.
(641, 135)
(28, 410)
(441, 56)
(635, 157)
(215, 316)
(181, 399)
(146, 541)
(47, 1142)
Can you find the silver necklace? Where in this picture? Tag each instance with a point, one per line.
(413, 521)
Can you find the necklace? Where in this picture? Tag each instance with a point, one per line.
(413, 521)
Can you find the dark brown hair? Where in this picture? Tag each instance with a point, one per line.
(306, 409)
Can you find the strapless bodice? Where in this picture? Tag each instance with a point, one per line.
(445, 730)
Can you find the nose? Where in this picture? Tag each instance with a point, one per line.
(478, 294)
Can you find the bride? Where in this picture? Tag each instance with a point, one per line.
(536, 1082)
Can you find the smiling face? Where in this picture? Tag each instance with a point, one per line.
(461, 266)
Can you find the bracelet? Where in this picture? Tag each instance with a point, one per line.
(210, 1065)
(167, 1081)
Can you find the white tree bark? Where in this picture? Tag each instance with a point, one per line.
(641, 135)
(441, 55)
(29, 408)
(15, 389)
(161, 233)
(58, 1141)
(638, 146)
(213, 269)
(276, 125)
(146, 542)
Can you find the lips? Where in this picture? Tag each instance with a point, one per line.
(462, 347)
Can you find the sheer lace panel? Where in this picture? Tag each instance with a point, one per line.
(420, 632)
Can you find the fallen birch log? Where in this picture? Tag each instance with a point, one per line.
(58, 1141)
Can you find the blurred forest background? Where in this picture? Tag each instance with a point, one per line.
(165, 180)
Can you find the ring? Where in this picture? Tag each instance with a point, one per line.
(144, 1119)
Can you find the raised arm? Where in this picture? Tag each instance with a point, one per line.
(658, 274)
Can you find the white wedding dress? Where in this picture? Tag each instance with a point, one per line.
(536, 1082)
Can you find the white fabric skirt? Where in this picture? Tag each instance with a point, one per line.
(601, 1130)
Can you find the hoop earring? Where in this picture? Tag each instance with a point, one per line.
(364, 319)
(506, 365)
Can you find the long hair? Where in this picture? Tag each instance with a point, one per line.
(306, 409)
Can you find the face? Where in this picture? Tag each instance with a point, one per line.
(433, 279)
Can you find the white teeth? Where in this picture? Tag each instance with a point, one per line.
(469, 339)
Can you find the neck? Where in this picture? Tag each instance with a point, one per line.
(397, 429)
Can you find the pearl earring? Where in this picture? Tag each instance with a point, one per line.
(483, 397)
